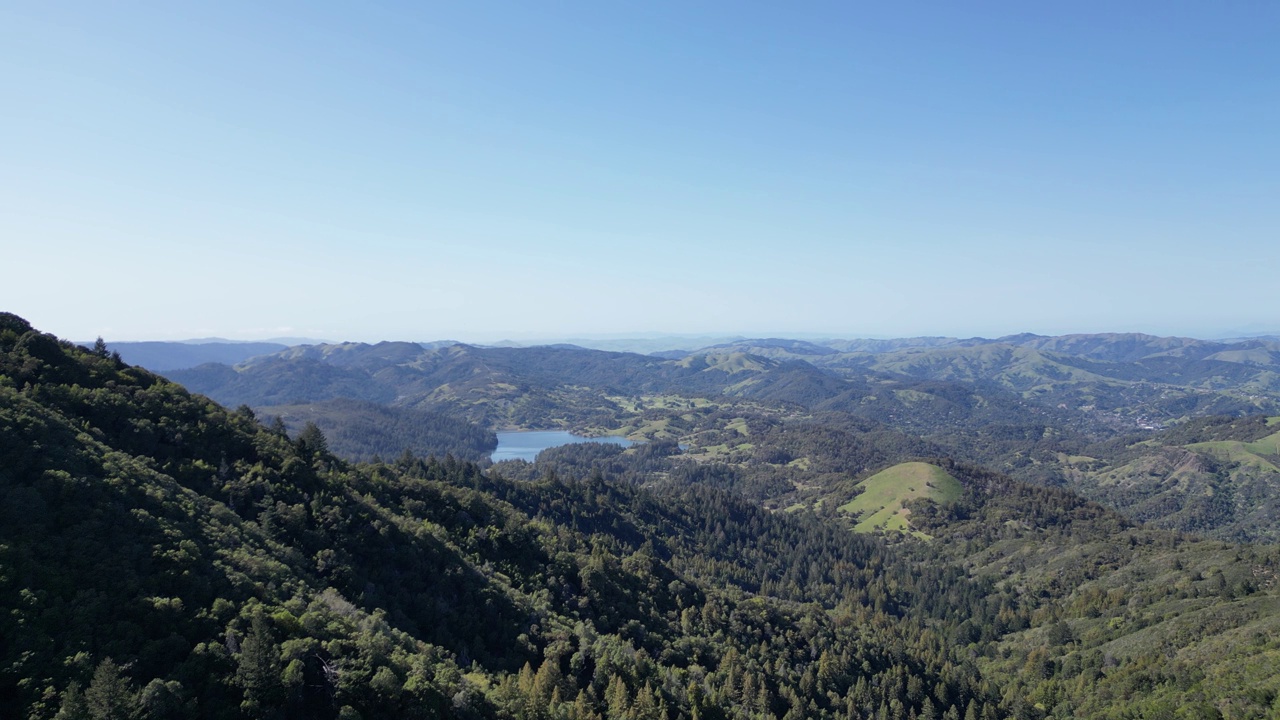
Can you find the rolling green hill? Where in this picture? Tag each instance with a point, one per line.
(1219, 477)
(1126, 379)
(880, 504)
(1262, 453)
(595, 391)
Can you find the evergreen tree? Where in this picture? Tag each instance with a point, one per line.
(258, 671)
(74, 706)
(311, 442)
(646, 705)
(111, 695)
(582, 708)
(618, 698)
(547, 680)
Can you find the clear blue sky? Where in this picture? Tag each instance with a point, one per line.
(480, 170)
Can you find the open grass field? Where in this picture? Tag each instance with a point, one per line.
(880, 504)
(1261, 452)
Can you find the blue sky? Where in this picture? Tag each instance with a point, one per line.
(484, 170)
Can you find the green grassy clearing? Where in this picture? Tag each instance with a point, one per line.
(880, 504)
(1250, 453)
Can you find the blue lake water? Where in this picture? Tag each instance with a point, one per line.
(526, 444)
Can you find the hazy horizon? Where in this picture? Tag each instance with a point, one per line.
(534, 339)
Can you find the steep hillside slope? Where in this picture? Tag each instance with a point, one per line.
(1114, 620)
(1217, 476)
(162, 557)
(362, 430)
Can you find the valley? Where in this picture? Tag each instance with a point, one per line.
(804, 418)
(783, 539)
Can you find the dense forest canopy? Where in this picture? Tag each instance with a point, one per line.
(162, 556)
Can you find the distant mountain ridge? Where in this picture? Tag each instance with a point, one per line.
(1139, 380)
(531, 387)
(1112, 347)
(165, 356)
(1109, 347)
(1141, 376)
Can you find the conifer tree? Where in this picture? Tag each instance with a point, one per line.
(111, 695)
(74, 706)
(547, 679)
(258, 670)
(582, 708)
(311, 442)
(646, 705)
(618, 698)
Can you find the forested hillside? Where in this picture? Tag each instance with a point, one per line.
(167, 558)
(364, 431)
(161, 557)
(1218, 476)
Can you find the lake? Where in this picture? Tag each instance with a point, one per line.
(526, 444)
